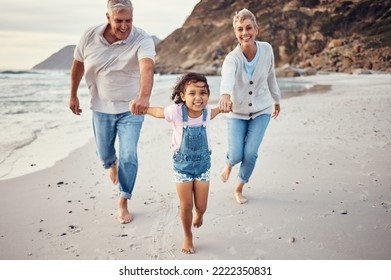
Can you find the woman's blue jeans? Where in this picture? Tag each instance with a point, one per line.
(244, 139)
(127, 127)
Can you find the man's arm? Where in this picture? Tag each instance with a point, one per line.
(141, 104)
(77, 73)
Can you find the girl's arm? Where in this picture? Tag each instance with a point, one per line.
(157, 112)
(214, 112)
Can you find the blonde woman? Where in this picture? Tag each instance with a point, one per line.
(249, 92)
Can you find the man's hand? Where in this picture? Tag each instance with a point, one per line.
(74, 105)
(139, 106)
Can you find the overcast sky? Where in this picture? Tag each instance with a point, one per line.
(30, 31)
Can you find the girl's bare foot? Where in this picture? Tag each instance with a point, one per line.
(225, 173)
(188, 245)
(198, 220)
(239, 197)
(113, 173)
(124, 217)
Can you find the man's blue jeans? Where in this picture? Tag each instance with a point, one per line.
(244, 139)
(127, 127)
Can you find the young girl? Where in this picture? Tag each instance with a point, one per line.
(190, 118)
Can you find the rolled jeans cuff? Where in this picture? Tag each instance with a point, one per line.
(242, 180)
(125, 195)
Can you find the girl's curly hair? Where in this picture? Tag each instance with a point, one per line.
(182, 83)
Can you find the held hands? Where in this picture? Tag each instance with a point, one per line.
(225, 106)
(74, 105)
(139, 106)
(225, 103)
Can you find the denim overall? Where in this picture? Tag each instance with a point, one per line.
(193, 157)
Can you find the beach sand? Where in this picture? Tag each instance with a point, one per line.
(321, 189)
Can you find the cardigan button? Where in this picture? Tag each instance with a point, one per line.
(250, 104)
(250, 115)
(250, 92)
(251, 82)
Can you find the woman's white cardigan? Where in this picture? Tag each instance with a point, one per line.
(253, 96)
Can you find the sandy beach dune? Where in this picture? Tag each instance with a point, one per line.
(321, 190)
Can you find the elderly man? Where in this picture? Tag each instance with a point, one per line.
(117, 60)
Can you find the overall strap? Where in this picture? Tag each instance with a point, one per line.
(185, 115)
(204, 115)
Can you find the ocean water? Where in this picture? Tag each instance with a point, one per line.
(37, 127)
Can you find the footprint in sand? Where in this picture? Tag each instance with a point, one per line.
(248, 230)
(260, 252)
(360, 228)
(134, 247)
(232, 251)
(74, 229)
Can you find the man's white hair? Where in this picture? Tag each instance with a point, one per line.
(118, 5)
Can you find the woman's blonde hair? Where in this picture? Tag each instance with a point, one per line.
(243, 15)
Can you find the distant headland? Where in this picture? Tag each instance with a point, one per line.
(307, 37)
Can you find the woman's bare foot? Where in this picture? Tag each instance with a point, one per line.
(113, 173)
(188, 245)
(124, 217)
(198, 220)
(239, 197)
(225, 173)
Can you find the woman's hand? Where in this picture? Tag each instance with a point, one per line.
(225, 103)
(276, 111)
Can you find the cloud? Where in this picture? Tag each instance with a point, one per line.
(35, 29)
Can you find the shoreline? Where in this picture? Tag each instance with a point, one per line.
(50, 143)
(39, 127)
(320, 190)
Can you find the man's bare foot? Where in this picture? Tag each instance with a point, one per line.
(225, 173)
(124, 217)
(198, 220)
(113, 173)
(240, 198)
(188, 245)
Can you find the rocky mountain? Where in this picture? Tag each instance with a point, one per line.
(322, 35)
(61, 60)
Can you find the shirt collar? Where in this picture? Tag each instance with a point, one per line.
(102, 29)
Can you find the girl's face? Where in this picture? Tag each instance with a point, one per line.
(195, 97)
(246, 32)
